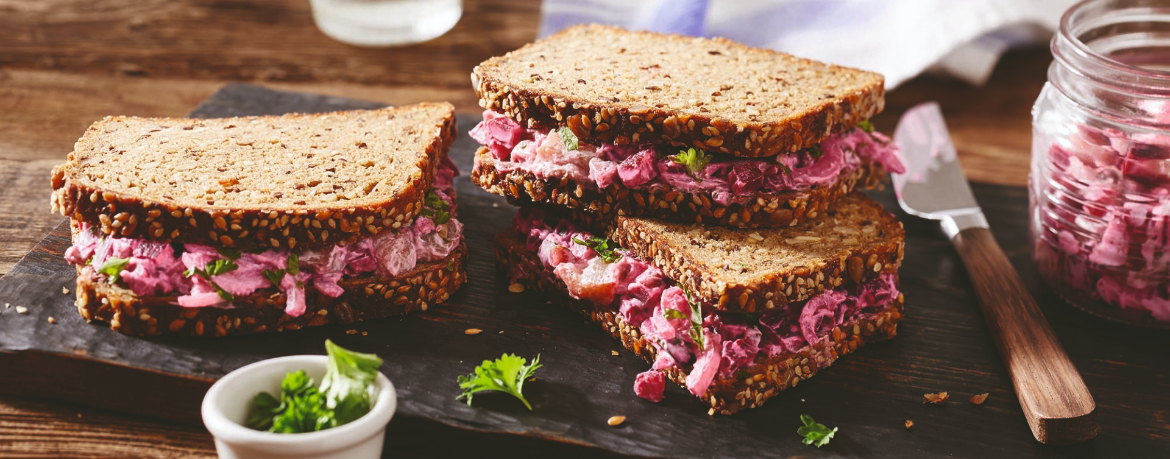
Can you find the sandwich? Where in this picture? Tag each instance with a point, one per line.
(733, 315)
(615, 122)
(213, 227)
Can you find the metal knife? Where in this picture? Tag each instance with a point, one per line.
(1056, 402)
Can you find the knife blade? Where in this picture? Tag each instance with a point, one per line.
(1059, 408)
(933, 185)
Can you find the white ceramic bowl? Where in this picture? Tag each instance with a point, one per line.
(225, 409)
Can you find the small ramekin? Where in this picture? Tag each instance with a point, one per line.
(226, 405)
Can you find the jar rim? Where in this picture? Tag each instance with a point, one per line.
(1090, 14)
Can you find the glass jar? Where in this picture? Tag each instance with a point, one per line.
(1099, 189)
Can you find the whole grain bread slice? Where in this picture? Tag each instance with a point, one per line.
(365, 297)
(746, 270)
(667, 203)
(609, 84)
(289, 181)
(748, 388)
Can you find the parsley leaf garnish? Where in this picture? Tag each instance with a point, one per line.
(229, 253)
(815, 433)
(294, 264)
(816, 151)
(696, 317)
(784, 168)
(301, 407)
(349, 382)
(345, 395)
(435, 208)
(568, 138)
(865, 125)
(274, 276)
(113, 268)
(693, 161)
(451, 264)
(215, 268)
(505, 374)
(601, 246)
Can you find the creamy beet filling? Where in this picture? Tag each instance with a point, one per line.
(717, 345)
(727, 179)
(203, 276)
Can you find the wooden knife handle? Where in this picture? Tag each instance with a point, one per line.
(1056, 402)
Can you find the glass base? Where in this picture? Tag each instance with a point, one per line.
(1056, 273)
(385, 22)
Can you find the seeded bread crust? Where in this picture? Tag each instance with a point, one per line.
(609, 84)
(366, 297)
(743, 270)
(751, 386)
(282, 223)
(666, 203)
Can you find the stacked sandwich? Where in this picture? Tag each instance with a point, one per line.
(244, 225)
(694, 197)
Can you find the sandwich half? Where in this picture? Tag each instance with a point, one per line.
(732, 315)
(616, 122)
(213, 227)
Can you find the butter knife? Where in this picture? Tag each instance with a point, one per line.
(1059, 408)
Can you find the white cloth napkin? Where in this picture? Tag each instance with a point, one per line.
(898, 38)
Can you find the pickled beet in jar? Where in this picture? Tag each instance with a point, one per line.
(1099, 189)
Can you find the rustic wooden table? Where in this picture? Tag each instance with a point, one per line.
(64, 64)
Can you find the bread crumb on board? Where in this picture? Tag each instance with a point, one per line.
(21, 310)
(909, 424)
(937, 399)
(978, 399)
(516, 288)
(616, 420)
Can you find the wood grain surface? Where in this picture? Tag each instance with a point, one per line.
(66, 63)
(1059, 408)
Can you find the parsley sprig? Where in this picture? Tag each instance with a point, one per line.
(349, 382)
(816, 151)
(693, 161)
(346, 394)
(294, 268)
(815, 433)
(215, 268)
(506, 374)
(696, 318)
(601, 246)
(113, 268)
(568, 138)
(865, 125)
(435, 208)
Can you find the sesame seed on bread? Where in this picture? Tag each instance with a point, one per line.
(366, 297)
(750, 270)
(749, 388)
(289, 181)
(609, 84)
(667, 203)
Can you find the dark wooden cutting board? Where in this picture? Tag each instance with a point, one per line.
(943, 345)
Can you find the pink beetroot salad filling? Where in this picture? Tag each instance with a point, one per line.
(1105, 215)
(727, 179)
(643, 294)
(159, 268)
